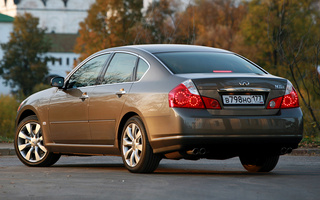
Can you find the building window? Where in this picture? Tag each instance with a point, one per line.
(65, 2)
(67, 61)
(44, 2)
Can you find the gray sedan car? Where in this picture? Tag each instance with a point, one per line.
(149, 102)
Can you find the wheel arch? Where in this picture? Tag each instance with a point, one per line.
(25, 113)
(121, 125)
(123, 121)
(29, 111)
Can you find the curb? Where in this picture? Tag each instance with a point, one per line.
(305, 152)
(7, 152)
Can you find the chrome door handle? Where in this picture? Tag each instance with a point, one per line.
(121, 92)
(84, 96)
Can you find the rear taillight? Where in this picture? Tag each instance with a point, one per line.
(186, 95)
(275, 103)
(211, 103)
(289, 100)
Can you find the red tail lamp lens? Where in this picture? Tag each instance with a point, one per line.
(211, 103)
(275, 103)
(181, 97)
(290, 100)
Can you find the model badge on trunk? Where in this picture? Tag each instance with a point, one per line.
(280, 87)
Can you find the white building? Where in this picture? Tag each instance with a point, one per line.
(5, 29)
(183, 4)
(58, 16)
(61, 20)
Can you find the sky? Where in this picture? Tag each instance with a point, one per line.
(4, 89)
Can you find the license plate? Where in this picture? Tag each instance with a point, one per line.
(243, 99)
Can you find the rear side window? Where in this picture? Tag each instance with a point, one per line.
(142, 68)
(206, 62)
(120, 68)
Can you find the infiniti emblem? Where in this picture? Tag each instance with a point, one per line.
(244, 83)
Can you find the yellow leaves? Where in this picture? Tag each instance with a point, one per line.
(8, 109)
(107, 25)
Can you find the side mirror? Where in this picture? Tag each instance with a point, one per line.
(57, 82)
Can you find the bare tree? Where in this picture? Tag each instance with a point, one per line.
(294, 52)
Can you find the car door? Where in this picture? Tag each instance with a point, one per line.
(107, 99)
(68, 109)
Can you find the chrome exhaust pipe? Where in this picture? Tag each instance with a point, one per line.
(289, 150)
(203, 151)
(283, 150)
(194, 151)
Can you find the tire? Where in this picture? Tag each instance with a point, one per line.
(259, 164)
(136, 152)
(29, 145)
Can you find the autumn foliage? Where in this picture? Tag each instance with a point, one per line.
(107, 25)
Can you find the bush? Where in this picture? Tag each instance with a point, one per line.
(310, 142)
(8, 112)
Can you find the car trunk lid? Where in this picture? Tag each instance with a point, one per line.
(240, 94)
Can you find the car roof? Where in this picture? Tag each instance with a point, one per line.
(161, 48)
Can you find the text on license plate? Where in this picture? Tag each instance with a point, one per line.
(243, 99)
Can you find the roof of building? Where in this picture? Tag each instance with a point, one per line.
(5, 18)
(62, 42)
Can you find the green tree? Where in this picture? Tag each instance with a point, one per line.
(107, 25)
(23, 65)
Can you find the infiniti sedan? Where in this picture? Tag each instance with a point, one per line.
(151, 102)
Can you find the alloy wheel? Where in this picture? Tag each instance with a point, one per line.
(30, 142)
(132, 144)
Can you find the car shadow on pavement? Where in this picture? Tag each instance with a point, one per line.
(183, 170)
(161, 170)
(169, 170)
(95, 165)
(207, 172)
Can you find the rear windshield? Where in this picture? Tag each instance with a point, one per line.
(206, 62)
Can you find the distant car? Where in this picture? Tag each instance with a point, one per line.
(149, 102)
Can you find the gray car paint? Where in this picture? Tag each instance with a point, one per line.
(168, 129)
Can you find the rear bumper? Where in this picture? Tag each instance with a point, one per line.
(185, 130)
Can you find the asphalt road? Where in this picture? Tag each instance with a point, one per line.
(295, 177)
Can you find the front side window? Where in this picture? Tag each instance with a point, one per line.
(207, 62)
(120, 69)
(87, 74)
